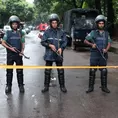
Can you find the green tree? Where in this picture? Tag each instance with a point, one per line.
(108, 8)
(20, 8)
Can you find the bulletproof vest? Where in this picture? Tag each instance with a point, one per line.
(55, 37)
(101, 40)
(14, 39)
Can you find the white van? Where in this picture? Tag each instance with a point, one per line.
(6, 28)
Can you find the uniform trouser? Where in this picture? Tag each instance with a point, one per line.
(60, 74)
(10, 61)
(97, 60)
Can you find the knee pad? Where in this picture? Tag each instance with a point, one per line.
(20, 71)
(92, 71)
(104, 71)
(61, 71)
(47, 71)
(9, 70)
(9, 74)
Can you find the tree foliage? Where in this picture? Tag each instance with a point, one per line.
(20, 8)
(109, 8)
(60, 6)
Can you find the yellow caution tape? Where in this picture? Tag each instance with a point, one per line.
(55, 67)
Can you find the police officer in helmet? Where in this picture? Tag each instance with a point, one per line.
(16, 39)
(54, 40)
(100, 43)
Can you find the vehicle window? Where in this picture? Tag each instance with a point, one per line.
(83, 21)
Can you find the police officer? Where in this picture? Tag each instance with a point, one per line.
(54, 40)
(1, 36)
(16, 39)
(21, 25)
(100, 42)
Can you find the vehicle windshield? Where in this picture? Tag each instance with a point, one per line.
(84, 23)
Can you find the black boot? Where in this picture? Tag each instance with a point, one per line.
(104, 81)
(62, 80)
(91, 80)
(9, 76)
(20, 80)
(8, 89)
(21, 88)
(45, 89)
(63, 89)
(46, 81)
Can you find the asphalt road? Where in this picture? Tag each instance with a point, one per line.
(55, 104)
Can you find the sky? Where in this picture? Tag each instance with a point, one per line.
(30, 1)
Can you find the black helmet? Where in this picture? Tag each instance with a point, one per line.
(53, 17)
(100, 18)
(14, 19)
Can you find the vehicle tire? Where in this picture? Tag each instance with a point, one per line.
(74, 47)
(69, 41)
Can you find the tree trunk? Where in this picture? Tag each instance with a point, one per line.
(104, 7)
(110, 16)
(75, 3)
(98, 5)
(82, 1)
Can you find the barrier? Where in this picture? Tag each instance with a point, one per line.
(54, 67)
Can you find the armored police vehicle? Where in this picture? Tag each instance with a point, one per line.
(77, 24)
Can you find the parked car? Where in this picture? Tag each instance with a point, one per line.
(30, 27)
(27, 30)
(42, 27)
(40, 35)
(1, 33)
(6, 28)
